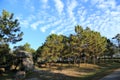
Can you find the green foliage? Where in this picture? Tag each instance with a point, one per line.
(117, 37)
(85, 41)
(9, 33)
(78, 29)
(96, 43)
(111, 49)
(9, 28)
(25, 47)
(4, 53)
(52, 48)
(90, 43)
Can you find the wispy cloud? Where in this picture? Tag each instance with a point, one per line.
(69, 22)
(60, 16)
(54, 24)
(26, 22)
(45, 4)
(107, 4)
(45, 1)
(105, 19)
(99, 15)
(65, 23)
(36, 24)
(71, 6)
(59, 6)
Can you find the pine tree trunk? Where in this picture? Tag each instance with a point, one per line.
(94, 60)
(79, 63)
(75, 60)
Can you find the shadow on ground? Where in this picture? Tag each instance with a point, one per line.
(39, 75)
(48, 75)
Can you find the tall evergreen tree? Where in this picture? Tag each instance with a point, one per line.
(52, 48)
(111, 49)
(9, 33)
(117, 37)
(9, 28)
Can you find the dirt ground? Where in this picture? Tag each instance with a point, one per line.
(66, 73)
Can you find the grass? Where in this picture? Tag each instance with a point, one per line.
(85, 72)
(105, 70)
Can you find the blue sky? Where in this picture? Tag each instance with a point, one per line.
(40, 18)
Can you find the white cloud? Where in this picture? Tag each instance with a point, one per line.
(68, 19)
(115, 13)
(52, 24)
(59, 6)
(85, 0)
(45, 4)
(31, 17)
(102, 16)
(36, 24)
(104, 4)
(52, 32)
(24, 23)
(71, 6)
(28, 5)
(43, 29)
(94, 2)
(45, 1)
(59, 28)
(66, 27)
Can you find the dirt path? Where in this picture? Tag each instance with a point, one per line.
(114, 76)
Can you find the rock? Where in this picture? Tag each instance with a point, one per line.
(23, 54)
(28, 64)
(26, 58)
(20, 75)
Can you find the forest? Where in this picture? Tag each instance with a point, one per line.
(85, 46)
